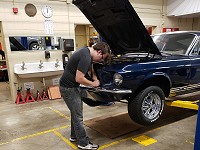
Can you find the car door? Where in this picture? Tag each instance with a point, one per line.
(180, 71)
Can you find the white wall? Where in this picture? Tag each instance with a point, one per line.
(151, 12)
(154, 12)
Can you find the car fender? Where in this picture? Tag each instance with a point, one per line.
(148, 80)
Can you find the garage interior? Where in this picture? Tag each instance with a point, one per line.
(45, 124)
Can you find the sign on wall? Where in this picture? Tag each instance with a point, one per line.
(170, 29)
(48, 26)
(56, 81)
(29, 85)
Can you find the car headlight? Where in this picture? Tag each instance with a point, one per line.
(118, 79)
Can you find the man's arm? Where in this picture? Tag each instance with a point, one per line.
(80, 78)
(94, 76)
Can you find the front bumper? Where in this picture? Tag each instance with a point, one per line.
(105, 95)
(104, 90)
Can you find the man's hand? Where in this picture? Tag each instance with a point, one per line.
(80, 78)
(96, 83)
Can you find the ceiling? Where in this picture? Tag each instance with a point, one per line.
(183, 8)
(66, 1)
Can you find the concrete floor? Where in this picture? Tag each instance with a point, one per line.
(44, 125)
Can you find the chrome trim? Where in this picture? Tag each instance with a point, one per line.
(192, 45)
(99, 89)
(151, 105)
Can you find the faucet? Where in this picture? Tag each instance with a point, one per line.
(41, 64)
(23, 65)
(57, 63)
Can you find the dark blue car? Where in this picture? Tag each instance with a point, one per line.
(144, 69)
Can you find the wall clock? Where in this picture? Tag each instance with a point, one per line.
(30, 10)
(47, 11)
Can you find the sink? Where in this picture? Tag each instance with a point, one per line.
(38, 70)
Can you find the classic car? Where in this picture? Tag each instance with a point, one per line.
(143, 69)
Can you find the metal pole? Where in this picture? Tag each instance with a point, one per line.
(197, 135)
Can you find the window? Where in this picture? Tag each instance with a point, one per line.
(174, 43)
(196, 49)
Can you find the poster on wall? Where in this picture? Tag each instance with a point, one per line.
(48, 26)
(29, 85)
(56, 81)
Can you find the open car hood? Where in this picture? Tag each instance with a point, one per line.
(119, 25)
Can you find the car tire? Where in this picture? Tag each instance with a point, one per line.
(147, 106)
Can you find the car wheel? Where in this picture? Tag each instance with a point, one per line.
(147, 106)
(34, 46)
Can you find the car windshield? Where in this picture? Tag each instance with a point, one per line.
(173, 43)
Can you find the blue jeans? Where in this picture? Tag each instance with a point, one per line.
(72, 97)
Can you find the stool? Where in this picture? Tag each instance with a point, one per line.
(19, 99)
(29, 97)
(38, 97)
(44, 95)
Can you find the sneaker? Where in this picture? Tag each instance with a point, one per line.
(89, 146)
(72, 139)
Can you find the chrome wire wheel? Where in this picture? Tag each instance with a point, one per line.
(146, 107)
(151, 105)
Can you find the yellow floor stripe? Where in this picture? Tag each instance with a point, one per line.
(122, 140)
(190, 142)
(61, 114)
(66, 140)
(113, 143)
(183, 104)
(4, 143)
(144, 140)
(36, 134)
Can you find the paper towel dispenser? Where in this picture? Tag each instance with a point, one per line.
(68, 44)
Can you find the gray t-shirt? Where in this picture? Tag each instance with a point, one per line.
(80, 60)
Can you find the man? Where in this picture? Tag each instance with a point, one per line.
(75, 72)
